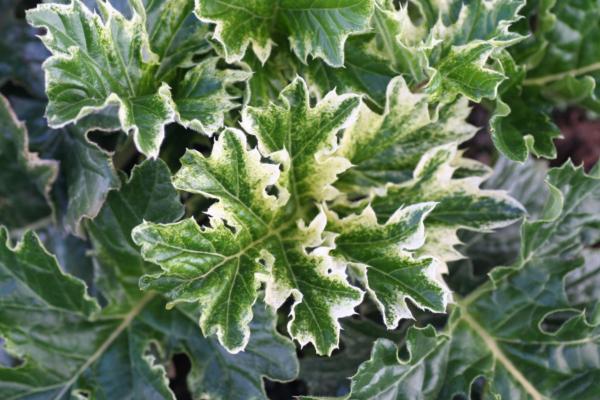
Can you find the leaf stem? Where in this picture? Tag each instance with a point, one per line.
(500, 356)
(556, 77)
(129, 317)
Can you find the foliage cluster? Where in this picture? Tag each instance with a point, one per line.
(278, 189)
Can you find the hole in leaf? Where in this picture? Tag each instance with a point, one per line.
(106, 140)
(289, 390)
(6, 360)
(478, 388)
(83, 394)
(272, 190)
(252, 143)
(197, 58)
(339, 135)
(311, 249)
(196, 206)
(533, 22)
(230, 227)
(178, 370)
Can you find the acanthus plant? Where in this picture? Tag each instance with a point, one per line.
(312, 178)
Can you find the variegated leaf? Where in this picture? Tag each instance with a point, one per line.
(303, 139)
(460, 202)
(255, 236)
(445, 47)
(387, 267)
(316, 28)
(387, 147)
(131, 64)
(513, 331)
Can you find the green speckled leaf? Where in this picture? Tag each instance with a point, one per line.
(314, 28)
(131, 64)
(258, 237)
(387, 147)
(70, 347)
(303, 138)
(253, 237)
(513, 331)
(464, 71)
(383, 255)
(460, 202)
(392, 154)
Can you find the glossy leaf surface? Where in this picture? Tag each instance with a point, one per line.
(503, 330)
(105, 348)
(130, 64)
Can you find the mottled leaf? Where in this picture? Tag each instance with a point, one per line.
(513, 331)
(383, 255)
(460, 202)
(69, 347)
(255, 236)
(264, 244)
(125, 63)
(316, 28)
(387, 147)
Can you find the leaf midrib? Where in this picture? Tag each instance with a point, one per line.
(499, 355)
(413, 293)
(94, 62)
(127, 320)
(543, 80)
